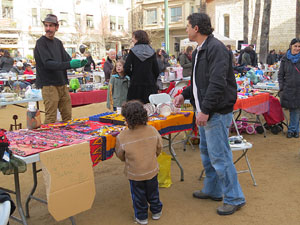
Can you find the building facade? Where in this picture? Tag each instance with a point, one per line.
(89, 22)
(226, 17)
(153, 17)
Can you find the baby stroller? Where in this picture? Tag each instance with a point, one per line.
(275, 117)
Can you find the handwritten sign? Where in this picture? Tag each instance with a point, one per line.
(69, 180)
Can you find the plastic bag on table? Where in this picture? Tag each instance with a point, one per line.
(164, 174)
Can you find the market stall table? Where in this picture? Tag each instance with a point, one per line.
(257, 104)
(88, 97)
(101, 148)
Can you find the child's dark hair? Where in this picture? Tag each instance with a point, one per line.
(135, 114)
(114, 71)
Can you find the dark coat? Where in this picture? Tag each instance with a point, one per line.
(215, 81)
(143, 72)
(108, 67)
(52, 62)
(6, 63)
(162, 63)
(253, 57)
(271, 59)
(289, 84)
(87, 66)
(186, 64)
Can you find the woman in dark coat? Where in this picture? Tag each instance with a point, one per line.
(6, 62)
(142, 68)
(289, 86)
(185, 61)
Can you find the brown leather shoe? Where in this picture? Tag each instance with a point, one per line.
(227, 209)
(201, 195)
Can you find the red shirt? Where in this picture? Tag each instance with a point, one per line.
(28, 72)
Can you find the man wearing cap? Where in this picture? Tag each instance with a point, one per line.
(18, 68)
(52, 62)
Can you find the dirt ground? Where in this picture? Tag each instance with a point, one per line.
(275, 161)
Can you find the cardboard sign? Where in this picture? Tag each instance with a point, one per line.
(69, 180)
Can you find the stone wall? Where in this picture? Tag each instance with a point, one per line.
(282, 21)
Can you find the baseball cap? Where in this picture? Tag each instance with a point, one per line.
(19, 64)
(50, 18)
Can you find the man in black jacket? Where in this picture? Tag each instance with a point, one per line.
(52, 62)
(213, 93)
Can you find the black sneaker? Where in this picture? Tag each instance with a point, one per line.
(296, 135)
(201, 195)
(290, 135)
(227, 209)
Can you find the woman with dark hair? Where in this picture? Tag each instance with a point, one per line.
(162, 61)
(142, 68)
(289, 86)
(185, 61)
(246, 59)
(6, 62)
(271, 58)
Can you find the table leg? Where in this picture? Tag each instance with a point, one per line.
(174, 157)
(34, 173)
(258, 119)
(18, 198)
(72, 220)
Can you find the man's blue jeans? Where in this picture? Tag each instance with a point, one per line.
(294, 121)
(220, 172)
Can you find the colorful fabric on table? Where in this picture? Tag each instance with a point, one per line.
(174, 123)
(102, 148)
(28, 142)
(257, 104)
(81, 126)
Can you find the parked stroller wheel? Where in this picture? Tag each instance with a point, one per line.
(267, 127)
(276, 129)
(260, 129)
(250, 129)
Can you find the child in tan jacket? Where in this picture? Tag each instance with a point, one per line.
(139, 147)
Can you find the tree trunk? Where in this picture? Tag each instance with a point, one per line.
(256, 22)
(265, 30)
(246, 20)
(202, 6)
(298, 19)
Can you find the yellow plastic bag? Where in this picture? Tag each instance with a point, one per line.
(164, 174)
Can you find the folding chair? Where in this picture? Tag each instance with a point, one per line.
(244, 147)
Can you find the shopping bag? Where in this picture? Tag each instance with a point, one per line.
(164, 174)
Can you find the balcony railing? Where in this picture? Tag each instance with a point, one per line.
(7, 23)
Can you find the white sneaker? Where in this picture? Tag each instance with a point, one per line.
(156, 216)
(143, 222)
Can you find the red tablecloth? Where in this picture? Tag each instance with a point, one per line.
(257, 104)
(89, 97)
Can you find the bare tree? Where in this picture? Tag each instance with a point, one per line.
(298, 19)
(256, 22)
(202, 6)
(246, 20)
(265, 30)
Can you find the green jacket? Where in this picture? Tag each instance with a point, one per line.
(120, 87)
